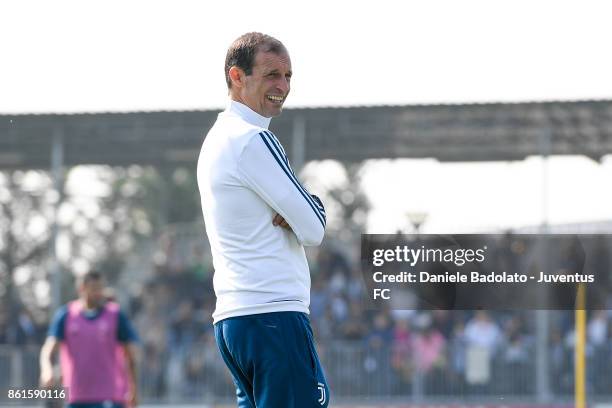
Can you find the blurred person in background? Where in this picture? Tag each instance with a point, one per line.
(377, 362)
(597, 329)
(481, 331)
(482, 338)
(429, 353)
(122, 380)
(402, 342)
(87, 332)
(184, 329)
(429, 346)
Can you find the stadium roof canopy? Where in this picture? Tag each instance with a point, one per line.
(470, 132)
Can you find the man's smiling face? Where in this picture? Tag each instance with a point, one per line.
(266, 89)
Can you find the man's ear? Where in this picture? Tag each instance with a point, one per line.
(236, 76)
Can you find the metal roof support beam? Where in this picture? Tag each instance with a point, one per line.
(298, 145)
(543, 391)
(57, 166)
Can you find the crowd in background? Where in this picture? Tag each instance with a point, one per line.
(374, 351)
(440, 352)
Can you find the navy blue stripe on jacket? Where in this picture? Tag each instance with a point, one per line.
(282, 161)
(279, 149)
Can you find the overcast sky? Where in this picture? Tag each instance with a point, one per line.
(77, 56)
(73, 56)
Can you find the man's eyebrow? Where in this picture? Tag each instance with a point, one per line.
(275, 71)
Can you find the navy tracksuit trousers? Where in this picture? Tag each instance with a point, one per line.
(273, 360)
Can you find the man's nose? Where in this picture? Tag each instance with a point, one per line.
(283, 85)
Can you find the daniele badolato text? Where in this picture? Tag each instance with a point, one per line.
(478, 277)
(407, 256)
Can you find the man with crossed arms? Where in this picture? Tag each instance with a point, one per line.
(258, 219)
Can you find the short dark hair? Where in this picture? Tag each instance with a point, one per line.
(89, 277)
(243, 50)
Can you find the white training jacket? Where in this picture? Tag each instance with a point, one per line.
(244, 178)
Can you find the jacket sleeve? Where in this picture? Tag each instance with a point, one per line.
(264, 167)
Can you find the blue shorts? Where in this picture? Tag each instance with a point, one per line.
(273, 360)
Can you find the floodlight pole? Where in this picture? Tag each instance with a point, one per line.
(57, 164)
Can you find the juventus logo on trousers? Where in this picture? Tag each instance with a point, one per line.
(323, 397)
